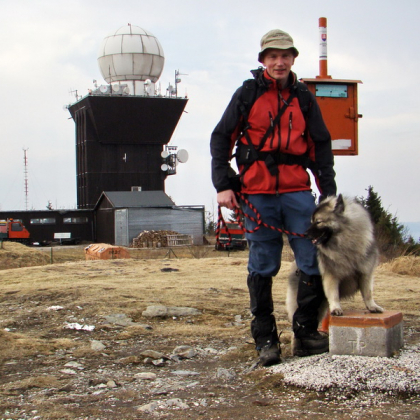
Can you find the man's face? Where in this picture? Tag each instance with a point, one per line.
(278, 64)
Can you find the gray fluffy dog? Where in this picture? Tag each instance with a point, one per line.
(342, 230)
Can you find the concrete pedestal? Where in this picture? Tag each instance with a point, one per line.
(361, 333)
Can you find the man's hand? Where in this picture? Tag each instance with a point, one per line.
(227, 199)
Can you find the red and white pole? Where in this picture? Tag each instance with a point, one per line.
(323, 62)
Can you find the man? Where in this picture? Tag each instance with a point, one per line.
(278, 138)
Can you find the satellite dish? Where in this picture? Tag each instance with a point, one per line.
(116, 88)
(182, 156)
(103, 88)
(164, 167)
(164, 154)
(126, 90)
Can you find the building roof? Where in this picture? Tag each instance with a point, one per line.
(124, 199)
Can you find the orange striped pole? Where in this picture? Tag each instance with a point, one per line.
(323, 62)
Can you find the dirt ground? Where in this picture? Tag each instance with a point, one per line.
(76, 341)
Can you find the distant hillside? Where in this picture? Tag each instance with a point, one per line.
(413, 229)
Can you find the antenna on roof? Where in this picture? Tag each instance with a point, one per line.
(25, 173)
(75, 94)
(170, 159)
(178, 80)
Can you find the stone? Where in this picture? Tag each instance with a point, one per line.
(129, 360)
(75, 365)
(97, 345)
(362, 333)
(161, 311)
(153, 354)
(184, 373)
(68, 371)
(148, 408)
(225, 374)
(176, 402)
(146, 376)
(119, 319)
(155, 311)
(182, 311)
(159, 362)
(184, 352)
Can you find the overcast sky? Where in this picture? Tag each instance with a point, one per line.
(49, 48)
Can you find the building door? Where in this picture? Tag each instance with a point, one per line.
(121, 227)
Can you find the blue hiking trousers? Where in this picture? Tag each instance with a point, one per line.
(291, 212)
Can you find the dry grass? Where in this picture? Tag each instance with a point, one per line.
(35, 343)
(15, 255)
(214, 285)
(407, 265)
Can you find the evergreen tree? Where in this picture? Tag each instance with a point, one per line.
(373, 205)
(210, 224)
(390, 234)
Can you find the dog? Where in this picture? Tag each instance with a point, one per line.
(343, 233)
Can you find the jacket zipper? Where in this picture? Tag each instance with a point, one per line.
(271, 124)
(281, 100)
(290, 130)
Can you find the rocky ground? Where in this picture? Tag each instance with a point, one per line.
(141, 339)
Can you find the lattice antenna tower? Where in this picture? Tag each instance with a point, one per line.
(25, 173)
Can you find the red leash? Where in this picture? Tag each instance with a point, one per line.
(257, 219)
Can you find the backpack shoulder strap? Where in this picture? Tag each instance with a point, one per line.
(247, 97)
(304, 98)
(249, 92)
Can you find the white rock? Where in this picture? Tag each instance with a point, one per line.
(76, 365)
(68, 371)
(77, 326)
(184, 373)
(146, 376)
(176, 402)
(159, 362)
(185, 352)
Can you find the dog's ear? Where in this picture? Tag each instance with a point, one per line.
(339, 205)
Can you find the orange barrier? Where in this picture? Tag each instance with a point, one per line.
(105, 252)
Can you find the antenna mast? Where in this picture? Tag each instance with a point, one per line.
(25, 172)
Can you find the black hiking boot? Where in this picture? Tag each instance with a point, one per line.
(310, 344)
(269, 354)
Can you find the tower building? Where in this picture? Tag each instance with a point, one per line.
(122, 127)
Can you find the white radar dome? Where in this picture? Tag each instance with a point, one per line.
(131, 53)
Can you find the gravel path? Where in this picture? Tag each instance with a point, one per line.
(395, 375)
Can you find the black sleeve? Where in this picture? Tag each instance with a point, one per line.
(325, 168)
(324, 157)
(221, 144)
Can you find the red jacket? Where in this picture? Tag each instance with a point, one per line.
(293, 135)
